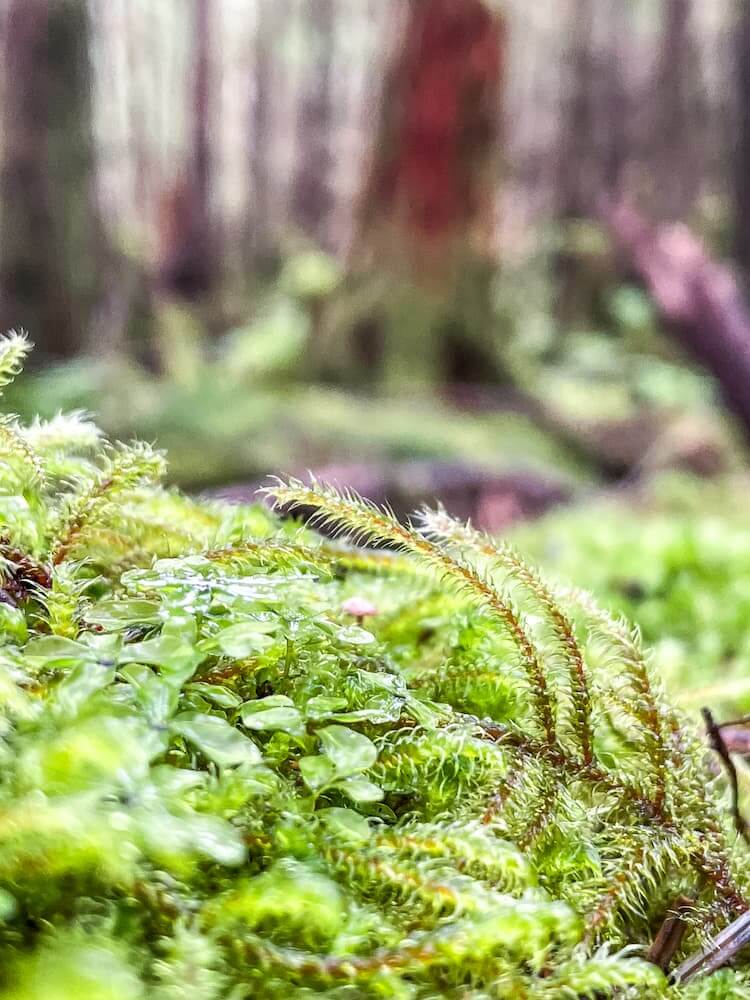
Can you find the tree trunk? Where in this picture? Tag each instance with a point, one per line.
(312, 196)
(584, 168)
(427, 215)
(676, 130)
(617, 101)
(742, 149)
(53, 247)
(432, 180)
(189, 264)
(578, 180)
(261, 242)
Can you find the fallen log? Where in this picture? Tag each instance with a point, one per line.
(698, 299)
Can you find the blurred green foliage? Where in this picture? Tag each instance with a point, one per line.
(233, 407)
(676, 561)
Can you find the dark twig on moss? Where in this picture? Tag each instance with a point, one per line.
(721, 950)
(671, 933)
(719, 746)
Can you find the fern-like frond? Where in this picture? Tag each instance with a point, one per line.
(434, 771)
(124, 469)
(348, 514)
(22, 466)
(14, 348)
(471, 846)
(438, 524)
(62, 602)
(67, 444)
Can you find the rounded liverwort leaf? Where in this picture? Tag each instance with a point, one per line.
(245, 638)
(275, 712)
(177, 660)
(360, 789)
(52, 651)
(216, 739)
(348, 751)
(322, 706)
(217, 694)
(348, 635)
(114, 614)
(82, 681)
(317, 772)
(345, 823)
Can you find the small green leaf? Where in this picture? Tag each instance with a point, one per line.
(349, 752)
(156, 696)
(55, 651)
(216, 693)
(317, 772)
(176, 659)
(114, 615)
(216, 739)
(380, 709)
(348, 635)
(246, 638)
(274, 712)
(171, 839)
(79, 684)
(182, 626)
(360, 790)
(322, 706)
(12, 625)
(345, 823)
(174, 781)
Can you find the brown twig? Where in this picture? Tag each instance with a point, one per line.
(669, 938)
(721, 950)
(719, 746)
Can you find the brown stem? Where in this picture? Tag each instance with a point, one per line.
(669, 938)
(716, 740)
(721, 950)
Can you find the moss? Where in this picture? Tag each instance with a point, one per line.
(221, 779)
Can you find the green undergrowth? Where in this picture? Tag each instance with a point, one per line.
(240, 760)
(676, 562)
(229, 423)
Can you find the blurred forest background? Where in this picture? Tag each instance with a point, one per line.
(490, 250)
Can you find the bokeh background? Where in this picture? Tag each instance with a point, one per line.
(444, 246)
(490, 252)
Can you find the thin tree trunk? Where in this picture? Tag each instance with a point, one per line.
(312, 196)
(53, 248)
(742, 149)
(616, 97)
(580, 178)
(199, 170)
(576, 181)
(189, 268)
(260, 240)
(676, 126)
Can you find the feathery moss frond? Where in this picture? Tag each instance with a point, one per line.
(14, 347)
(440, 525)
(349, 514)
(66, 432)
(124, 469)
